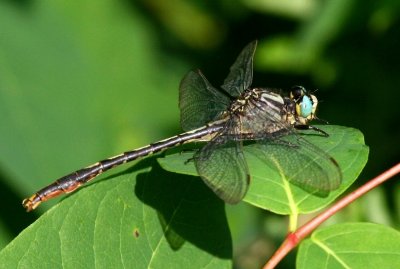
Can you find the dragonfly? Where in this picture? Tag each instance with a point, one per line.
(227, 119)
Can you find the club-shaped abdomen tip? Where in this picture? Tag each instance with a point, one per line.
(31, 203)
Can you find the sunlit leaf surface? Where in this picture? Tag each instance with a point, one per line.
(351, 245)
(269, 190)
(138, 219)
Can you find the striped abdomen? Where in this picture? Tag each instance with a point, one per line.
(74, 180)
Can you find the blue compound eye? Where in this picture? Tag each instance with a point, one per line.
(306, 107)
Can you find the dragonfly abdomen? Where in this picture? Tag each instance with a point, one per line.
(75, 179)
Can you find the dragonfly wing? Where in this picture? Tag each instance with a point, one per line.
(199, 102)
(241, 72)
(223, 168)
(301, 163)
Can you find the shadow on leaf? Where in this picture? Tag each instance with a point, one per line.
(188, 211)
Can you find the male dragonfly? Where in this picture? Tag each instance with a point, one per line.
(228, 118)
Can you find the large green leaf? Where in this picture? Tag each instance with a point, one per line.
(270, 191)
(351, 245)
(138, 219)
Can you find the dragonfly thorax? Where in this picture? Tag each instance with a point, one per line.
(257, 100)
(259, 111)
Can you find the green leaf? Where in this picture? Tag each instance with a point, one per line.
(137, 219)
(351, 245)
(268, 190)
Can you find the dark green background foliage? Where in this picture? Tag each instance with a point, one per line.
(83, 80)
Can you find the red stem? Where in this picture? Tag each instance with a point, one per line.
(293, 239)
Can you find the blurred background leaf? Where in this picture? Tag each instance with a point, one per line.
(83, 80)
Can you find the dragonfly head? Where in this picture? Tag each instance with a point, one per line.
(305, 104)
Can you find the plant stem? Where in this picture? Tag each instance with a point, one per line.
(293, 239)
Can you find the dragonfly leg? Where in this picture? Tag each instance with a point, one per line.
(310, 127)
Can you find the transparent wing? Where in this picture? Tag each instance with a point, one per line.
(222, 166)
(199, 102)
(241, 72)
(301, 163)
